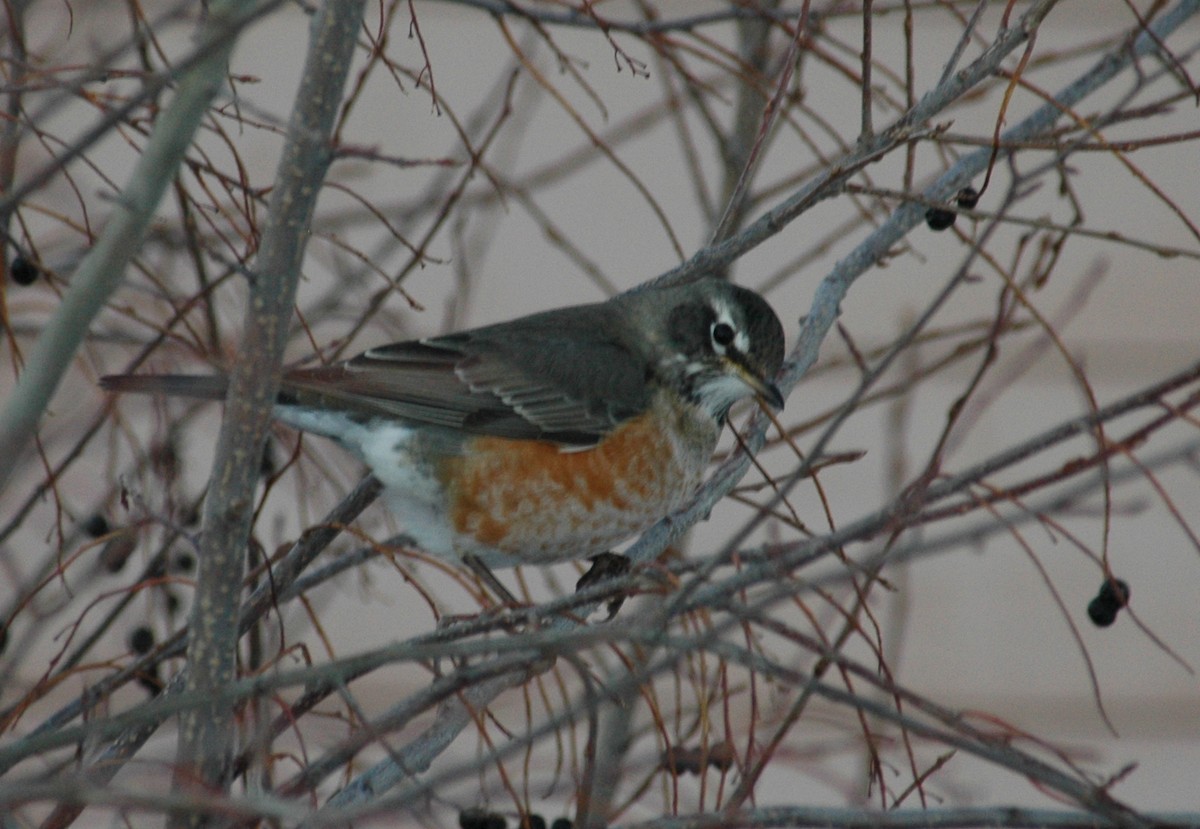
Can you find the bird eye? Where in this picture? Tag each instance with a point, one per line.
(723, 333)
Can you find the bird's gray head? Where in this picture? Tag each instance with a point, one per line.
(719, 343)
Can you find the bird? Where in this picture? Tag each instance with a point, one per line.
(546, 438)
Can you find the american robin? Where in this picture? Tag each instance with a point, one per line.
(546, 438)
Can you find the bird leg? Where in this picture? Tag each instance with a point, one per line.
(489, 580)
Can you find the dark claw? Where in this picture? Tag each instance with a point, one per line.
(604, 567)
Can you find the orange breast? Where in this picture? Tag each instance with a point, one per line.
(535, 501)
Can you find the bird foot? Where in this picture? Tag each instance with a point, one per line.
(604, 567)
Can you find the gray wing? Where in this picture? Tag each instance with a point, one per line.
(565, 377)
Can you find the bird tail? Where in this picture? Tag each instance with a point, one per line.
(210, 387)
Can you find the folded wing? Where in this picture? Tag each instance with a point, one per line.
(545, 380)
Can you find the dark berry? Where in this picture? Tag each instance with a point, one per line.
(1117, 590)
(939, 218)
(562, 823)
(967, 198)
(22, 271)
(534, 821)
(476, 818)
(721, 756)
(141, 640)
(1102, 613)
(96, 526)
(1103, 609)
(185, 563)
(680, 760)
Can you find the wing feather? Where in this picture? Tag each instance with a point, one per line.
(548, 377)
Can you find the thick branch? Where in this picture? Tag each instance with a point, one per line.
(101, 271)
(206, 732)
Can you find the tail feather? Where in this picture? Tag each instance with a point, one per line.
(211, 387)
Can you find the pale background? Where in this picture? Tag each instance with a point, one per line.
(978, 629)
